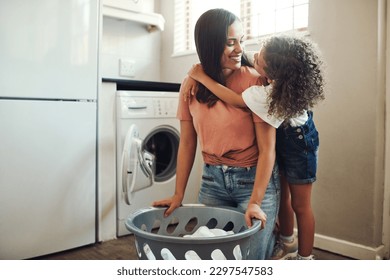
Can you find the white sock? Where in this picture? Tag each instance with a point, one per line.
(287, 239)
(303, 258)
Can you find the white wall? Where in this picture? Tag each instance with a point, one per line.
(348, 196)
(130, 40)
(173, 69)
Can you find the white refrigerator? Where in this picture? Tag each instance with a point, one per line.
(48, 113)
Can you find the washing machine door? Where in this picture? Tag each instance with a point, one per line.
(138, 165)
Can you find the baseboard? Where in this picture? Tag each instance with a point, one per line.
(348, 249)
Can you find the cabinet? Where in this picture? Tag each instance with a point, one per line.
(140, 11)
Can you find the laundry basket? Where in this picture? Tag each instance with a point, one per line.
(157, 237)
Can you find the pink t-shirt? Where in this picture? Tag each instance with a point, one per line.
(226, 133)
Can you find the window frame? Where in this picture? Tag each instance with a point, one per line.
(184, 7)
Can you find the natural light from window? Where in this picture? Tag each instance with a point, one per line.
(259, 18)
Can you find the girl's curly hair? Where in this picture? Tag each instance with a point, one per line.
(295, 66)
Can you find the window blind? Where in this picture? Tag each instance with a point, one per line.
(259, 18)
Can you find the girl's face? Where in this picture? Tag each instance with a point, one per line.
(259, 63)
(231, 56)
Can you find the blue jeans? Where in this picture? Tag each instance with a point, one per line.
(232, 186)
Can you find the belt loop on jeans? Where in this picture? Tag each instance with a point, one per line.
(248, 168)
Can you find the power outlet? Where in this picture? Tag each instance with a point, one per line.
(127, 67)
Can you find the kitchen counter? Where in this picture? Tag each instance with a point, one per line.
(122, 84)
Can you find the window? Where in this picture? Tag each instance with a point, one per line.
(259, 18)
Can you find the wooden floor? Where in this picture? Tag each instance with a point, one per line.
(123, 248)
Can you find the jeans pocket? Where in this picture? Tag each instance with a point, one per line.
(312, 140)
(206, 178)
(245, 183)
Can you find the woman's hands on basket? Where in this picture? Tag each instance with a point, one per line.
(172, 203)
(254, 212)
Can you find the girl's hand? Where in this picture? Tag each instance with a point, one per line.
(188, 88)
(254, 212)
(196, 72)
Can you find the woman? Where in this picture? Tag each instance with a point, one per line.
(293, 67)
(238, 148)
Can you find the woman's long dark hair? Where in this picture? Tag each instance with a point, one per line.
(211, 32)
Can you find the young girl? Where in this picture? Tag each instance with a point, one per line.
(292, 68)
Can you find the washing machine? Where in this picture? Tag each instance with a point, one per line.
(148, 135)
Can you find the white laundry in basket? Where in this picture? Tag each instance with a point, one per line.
(204, 231)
